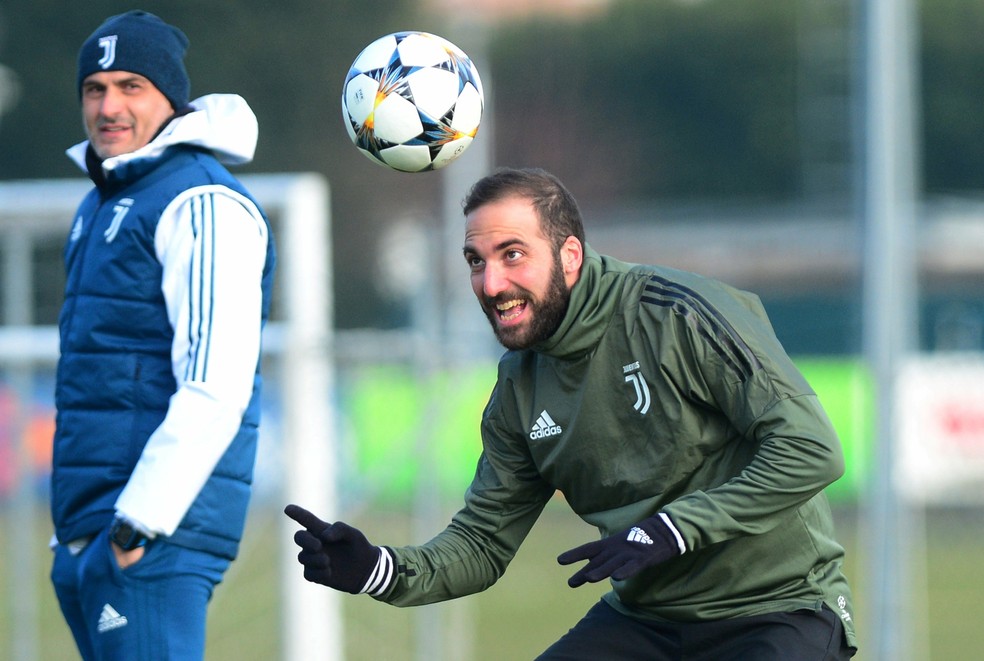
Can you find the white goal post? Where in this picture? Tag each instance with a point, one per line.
(302, 338)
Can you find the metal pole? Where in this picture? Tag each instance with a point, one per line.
(312, 614)
(465, 331)
(461, 334)
(890, 296)
(18, 311)
(430, 370)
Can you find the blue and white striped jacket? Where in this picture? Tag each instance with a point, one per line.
(169, 269)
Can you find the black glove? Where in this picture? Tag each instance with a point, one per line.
(340, 556)
(624, 554)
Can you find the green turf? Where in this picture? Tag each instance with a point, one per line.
(516, 619)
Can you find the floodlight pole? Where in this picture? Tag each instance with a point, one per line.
(890, 312)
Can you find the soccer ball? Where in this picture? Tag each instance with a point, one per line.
(412, 101)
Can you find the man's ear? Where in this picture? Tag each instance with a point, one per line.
(571, 257)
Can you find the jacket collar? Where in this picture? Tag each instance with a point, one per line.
(593, 303)
(222, 124)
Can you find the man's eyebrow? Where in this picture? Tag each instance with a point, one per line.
(133, 78)
(502, 245)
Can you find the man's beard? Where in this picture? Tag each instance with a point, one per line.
(545, 314)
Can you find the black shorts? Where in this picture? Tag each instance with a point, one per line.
(604, 633)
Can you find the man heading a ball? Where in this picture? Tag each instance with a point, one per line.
(662, 407)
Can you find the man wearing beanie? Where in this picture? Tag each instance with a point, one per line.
(169, 265)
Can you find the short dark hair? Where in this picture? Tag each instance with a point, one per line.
(557, 209)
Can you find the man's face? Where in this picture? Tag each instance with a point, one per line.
(521, 282)
(122, 111)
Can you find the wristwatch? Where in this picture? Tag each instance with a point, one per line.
(125, 535)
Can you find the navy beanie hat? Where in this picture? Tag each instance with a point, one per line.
(140, 42)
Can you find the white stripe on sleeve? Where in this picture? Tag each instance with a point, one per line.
(212, 244)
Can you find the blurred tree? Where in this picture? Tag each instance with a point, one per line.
(952, 59)
(655, 99)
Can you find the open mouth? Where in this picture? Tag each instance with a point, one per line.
(511, 309)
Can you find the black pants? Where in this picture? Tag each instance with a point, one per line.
(604, 633)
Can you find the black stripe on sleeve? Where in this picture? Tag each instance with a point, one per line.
(706, 320)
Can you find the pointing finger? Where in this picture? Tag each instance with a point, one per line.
(305, 518)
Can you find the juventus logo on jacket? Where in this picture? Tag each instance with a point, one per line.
(633, 376)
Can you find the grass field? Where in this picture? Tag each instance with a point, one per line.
(517, 618)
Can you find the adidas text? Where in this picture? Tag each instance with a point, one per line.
(544, 427)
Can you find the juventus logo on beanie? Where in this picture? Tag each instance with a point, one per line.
(140, 42)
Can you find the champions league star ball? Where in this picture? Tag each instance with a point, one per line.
(412, 101)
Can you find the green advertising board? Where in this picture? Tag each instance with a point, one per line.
(400, 427)
(845, 389)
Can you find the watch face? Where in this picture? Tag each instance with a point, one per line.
(126, 537)
(121, 533)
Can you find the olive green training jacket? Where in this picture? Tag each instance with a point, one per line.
(662, 391)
